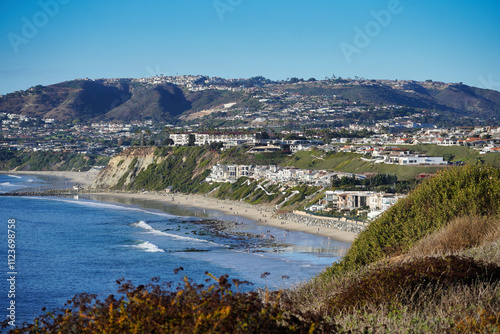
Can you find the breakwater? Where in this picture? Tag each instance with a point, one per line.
(338, 224)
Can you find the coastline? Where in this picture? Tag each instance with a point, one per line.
(262, 215)
(84, 179)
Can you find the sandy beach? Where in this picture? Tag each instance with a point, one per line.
(261, 214)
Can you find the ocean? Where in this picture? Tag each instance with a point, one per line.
(67, 246)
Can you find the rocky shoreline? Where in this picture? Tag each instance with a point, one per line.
(311, 221)
(242, 240)
(50, 192)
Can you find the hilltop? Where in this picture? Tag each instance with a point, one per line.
(110, 100)
(171, 99)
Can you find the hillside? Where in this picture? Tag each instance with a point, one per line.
(49, 161)
(151, 168)
(111, 100)
(455, 98)
(468, 191)
(430, 264)
(132, 99)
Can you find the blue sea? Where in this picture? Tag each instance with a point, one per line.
(67, 246)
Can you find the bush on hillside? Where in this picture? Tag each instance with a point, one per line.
(190, 308)
(459, 234)
(404, 283)
(458, 192)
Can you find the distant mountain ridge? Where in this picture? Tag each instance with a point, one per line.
(123, 100)
(128, 99)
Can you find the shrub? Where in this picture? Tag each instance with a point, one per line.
(486, 321)
(191, 308)
(459, 234)
(402, 283)
(464, 191)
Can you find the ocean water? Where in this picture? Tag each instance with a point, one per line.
(66, 246)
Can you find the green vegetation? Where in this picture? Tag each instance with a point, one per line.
(352, 163)
(384, 285)
(464, 191)
(180, 168)
(53, 161)
(430, 264)
(191, 308)
(238, 155)
(378, 182)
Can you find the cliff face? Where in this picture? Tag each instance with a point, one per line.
(123, 167)
(152, 168)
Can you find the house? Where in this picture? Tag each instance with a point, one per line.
(264, 149)
(414, 160)
(474, 142)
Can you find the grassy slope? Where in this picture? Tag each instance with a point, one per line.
(49, 161)
(352, 163)
(464, 191)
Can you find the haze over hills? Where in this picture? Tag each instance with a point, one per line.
(167, 99)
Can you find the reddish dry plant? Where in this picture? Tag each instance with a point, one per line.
(383, 286)
(189, 308)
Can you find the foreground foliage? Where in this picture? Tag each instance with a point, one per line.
(465, 191)
(404, 283)
(191, 308)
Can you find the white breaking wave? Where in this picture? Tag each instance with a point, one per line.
(148, 247)
(150, 229)
(14, 176)
(7, 184)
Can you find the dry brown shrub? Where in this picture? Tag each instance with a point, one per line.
(459, 234)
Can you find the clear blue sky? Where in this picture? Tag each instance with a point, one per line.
(451, 41)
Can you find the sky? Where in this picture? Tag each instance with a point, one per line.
(50, 41)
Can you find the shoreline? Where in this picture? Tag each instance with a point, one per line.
(262, 215)
(84, 179)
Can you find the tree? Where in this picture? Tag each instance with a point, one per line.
(262, 135)
(448, 156)
(168, 142)
(191, 140)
